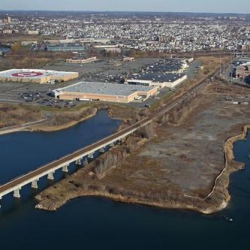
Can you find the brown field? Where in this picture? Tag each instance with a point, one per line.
(176, 169)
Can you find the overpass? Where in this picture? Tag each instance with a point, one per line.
(49, 169)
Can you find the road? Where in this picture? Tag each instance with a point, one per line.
(20, 127)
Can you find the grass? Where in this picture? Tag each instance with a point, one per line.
(76, 108)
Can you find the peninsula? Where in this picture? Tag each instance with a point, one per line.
(184, 161)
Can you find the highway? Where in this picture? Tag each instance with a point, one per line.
(106, 141)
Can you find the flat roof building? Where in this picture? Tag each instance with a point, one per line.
(81, 60)
(36, 75)
(102, 91)
(66, 47)
(162, 80)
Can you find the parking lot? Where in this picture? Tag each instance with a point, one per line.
(103, 71)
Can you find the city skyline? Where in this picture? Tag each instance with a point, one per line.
(210, 6)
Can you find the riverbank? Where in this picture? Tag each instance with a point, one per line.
(43, 125)
(216, 201)
(56, 121)
(53, 128)
(187, 166)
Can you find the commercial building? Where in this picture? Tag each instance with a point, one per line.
(163, 73)
(33, 32)
(78, 60)
(241, 68)
(36, 75)
(66, 47)
(102, 91)
(171, 65)
(151, 79)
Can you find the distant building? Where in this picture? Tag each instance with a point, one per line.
(8, 19)
(243, 70)
(33, 32)
(78, 60)
(36, 75)
(66, 47)
(10, 31)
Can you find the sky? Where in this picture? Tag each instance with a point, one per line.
(211, 6)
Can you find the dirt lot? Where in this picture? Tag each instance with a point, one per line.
(187, 157)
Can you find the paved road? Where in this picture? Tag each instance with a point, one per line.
(79, 153)
(20, 127)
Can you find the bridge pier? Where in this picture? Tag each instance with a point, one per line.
(51, 176)
(102, 150)
(79, 161)
(123, 139)
(81, 157)
(17, 193)
(34, 184)
(65, 169)
(91, 156)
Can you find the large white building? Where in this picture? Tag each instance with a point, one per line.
(36, 75)
(103, 91)
(164, 80)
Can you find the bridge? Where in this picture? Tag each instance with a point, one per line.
(49, 169)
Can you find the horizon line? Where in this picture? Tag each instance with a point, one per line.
(126, 11)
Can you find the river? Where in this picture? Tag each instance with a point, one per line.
(97, 223)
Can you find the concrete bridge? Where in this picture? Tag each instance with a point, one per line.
(49, 169)
(32, 178)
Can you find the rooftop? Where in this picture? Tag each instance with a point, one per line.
(167, 77)
(105, 88)
(32, 73)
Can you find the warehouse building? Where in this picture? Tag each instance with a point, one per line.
(102, 91)
(168, 73)
(36, 76)
(68, 47)
(168, 80)
(81, 60)
(170, 65)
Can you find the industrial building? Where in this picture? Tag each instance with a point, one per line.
(168, 80)
(241, 68)
(81, 60)
(67, 47)
(102, 91)
(163, 73)
(36, 76)
(169, 65)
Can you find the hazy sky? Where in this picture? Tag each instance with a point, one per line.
(224, 6)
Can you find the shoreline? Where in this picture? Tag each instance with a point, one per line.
(215, 201)
(38, 127)
(62, 127)
(33, 127)
(23, 127)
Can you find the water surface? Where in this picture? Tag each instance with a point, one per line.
(97, 223)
